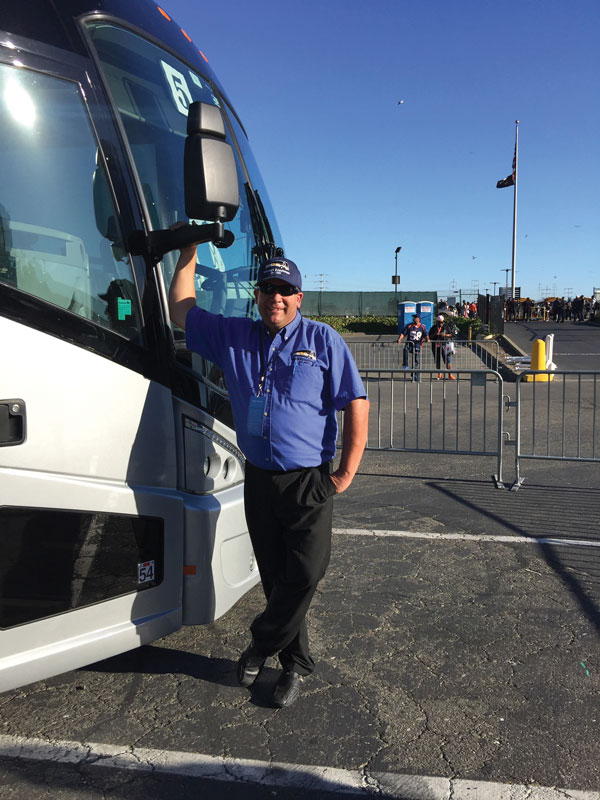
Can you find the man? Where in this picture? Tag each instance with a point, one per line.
(415, 334)
(287, 377)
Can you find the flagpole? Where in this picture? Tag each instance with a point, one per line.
(514, 242)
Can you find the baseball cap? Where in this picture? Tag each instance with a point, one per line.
(281, 268)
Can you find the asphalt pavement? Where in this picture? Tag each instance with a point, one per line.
(457, 639)
(576, 344)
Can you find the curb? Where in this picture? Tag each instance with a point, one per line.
(507, 371)
(510, 347)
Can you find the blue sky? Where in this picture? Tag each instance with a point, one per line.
(352, 174)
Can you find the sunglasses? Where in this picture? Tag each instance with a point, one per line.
(286, 290)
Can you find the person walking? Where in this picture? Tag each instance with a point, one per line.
(511, 310)
(287, 377)
(441, 345)
(415, 333)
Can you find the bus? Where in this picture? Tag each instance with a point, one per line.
(121, 482)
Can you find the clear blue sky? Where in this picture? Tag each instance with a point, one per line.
(352, 174)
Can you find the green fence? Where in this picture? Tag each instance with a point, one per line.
(359, 304)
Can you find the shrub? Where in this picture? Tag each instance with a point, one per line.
(463, 324)
(368, 324)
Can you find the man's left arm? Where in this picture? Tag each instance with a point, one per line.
(356, 422)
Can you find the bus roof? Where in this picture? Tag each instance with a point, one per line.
(55, 22)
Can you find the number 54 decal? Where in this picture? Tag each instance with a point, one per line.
(146, 572)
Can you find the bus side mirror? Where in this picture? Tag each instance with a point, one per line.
(210, 188)
(210, 173)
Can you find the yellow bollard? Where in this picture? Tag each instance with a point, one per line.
(538, 361)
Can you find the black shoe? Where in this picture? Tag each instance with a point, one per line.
(249, 666)
(287, 688)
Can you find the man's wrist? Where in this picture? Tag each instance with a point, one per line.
(341, 479)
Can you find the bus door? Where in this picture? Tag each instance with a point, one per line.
(90, 517)
(151, 90)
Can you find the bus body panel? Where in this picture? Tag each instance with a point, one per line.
(86, 415)
(219, 558)
(99, 456)
(32, 662)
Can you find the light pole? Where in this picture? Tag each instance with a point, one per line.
(506, 270)
(395, 278)
(495, 284)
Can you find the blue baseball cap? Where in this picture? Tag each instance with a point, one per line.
(281, 268)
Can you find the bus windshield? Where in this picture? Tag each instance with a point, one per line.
(152, 90)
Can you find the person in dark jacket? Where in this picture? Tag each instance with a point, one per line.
(440, 337)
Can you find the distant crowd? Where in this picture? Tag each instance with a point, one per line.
(557, 309)
(464, 309)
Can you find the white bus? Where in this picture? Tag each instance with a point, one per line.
(121, 499)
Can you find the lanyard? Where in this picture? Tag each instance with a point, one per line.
(265, 367)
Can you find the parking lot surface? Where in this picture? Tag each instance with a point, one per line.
(576, 344)
(458, 654)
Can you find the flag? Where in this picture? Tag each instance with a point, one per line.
(510, 180)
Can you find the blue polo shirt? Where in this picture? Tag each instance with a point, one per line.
(309, 375)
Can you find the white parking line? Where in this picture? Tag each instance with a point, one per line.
(265, 773)
(467, 537)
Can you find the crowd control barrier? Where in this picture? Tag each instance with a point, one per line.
(554, 420)
(413, 411)
(557, 419)
(469, 355)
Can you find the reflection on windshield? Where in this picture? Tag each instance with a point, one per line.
(60, 239)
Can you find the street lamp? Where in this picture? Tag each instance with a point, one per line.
(395, 278)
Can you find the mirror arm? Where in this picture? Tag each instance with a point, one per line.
(156, 243)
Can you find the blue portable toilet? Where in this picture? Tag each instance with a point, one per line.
(405, 314)
(425, 311)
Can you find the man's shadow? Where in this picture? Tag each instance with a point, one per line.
(155, 660)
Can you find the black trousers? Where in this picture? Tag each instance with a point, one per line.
(289, 516)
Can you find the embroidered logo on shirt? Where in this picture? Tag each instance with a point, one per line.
(305, 354)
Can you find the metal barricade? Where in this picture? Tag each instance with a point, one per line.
(411, 410)
(471, 355)
(557, 417)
